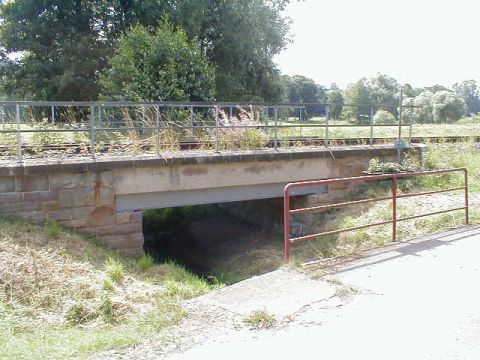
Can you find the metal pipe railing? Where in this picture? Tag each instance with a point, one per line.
(96, 117)
(288, 212)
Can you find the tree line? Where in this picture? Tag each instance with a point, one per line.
(381, 94)
(142, 49)
(187, 50)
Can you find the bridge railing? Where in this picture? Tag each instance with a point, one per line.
(36, 129)
(394, 220)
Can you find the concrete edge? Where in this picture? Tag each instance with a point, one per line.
(33, 167)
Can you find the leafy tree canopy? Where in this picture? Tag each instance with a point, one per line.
(62, 46)
(158, 66)
(335, 96)
(468, 91)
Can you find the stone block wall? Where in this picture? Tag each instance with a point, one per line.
(84, 201)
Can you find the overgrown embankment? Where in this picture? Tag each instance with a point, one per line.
(62, 294)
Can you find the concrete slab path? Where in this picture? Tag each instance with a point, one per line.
(415, 300)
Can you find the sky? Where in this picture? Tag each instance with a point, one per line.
(420, 42)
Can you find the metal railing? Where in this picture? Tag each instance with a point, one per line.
(193, 124)
(288, 212)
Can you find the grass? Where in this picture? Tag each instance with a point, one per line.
(145, 262)
(52, 228)
(115, 269)
(70, 297)
(260, 319)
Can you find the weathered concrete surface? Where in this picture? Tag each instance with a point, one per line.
(282, 292)
(104, 197)
(416, 300)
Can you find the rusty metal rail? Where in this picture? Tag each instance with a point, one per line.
(288, 212)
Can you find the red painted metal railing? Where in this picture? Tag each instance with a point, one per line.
(394, 197)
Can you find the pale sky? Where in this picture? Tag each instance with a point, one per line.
(421, 42)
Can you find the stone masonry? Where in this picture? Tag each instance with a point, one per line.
(84, 201)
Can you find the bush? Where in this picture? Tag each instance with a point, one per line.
(383, 117)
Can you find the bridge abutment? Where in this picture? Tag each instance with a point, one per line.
(84, 201)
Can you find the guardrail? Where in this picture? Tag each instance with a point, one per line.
(288, 212)
(151, 125)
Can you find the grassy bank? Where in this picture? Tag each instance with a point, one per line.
(63, 295)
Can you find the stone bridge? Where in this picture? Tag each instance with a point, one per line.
(105, 198)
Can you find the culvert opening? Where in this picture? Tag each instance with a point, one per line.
(222, 242)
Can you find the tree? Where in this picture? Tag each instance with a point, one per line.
(424, 107)
(409, 91)
(357, 95)
(335, 97)
(162, 65)
(442, 106)
(468, 91)
(61, 47)
(447, 106)
(301, 89)
(240, 37)
(384, 93)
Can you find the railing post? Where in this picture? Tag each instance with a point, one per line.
(410, 128)
(371, 126)
(92, 130)
(53, 114)
(394, 208)
(157, 125)
(400, 116)
(465, 171)
(19, 133)
(286, 223)
(275, 129)
(327, 116)
(217, 130)
(2, 114)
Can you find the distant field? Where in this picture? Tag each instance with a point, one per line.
(418, 130)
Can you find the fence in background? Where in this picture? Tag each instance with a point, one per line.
(288, 212)
(45, 129)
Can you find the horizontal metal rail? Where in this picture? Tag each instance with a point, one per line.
(185, 104)
(288, 212)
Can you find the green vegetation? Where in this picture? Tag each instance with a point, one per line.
(166, 58)
(115, 269)
(67, 44)
(145, 262)
(260, 319)
(60, 298)
(52, 228)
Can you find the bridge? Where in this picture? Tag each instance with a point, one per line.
(94, 166)
(105, 197)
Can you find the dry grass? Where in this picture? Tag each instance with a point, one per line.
(63, 289)
(260, 319)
